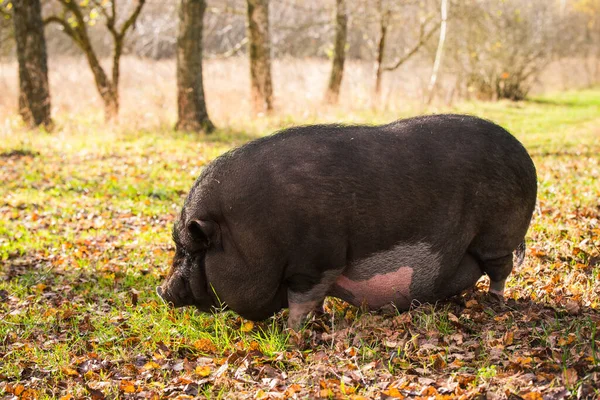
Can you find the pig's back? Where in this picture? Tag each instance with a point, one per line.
(356, 190)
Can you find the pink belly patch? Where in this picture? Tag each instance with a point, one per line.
(380, 290)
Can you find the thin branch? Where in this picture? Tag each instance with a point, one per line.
(113, 9)
(231, 51)
(5, 13)
(110, 19)
(74, 8)
(439, 52)
(131, 20)
(302, 27)
(423, 38)
(227, 10)
(67, 29)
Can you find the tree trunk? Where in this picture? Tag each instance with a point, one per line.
(440, 51)
(191, 105)
(34, 96)
(108, 92)
(260, 56)
(339, 53)
(383, 27)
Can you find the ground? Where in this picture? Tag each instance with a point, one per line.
(85, 220)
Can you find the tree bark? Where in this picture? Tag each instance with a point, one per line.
(260, 56)
(108, 92)
(383, 27)
(191, 105)
(34, 96)
(339, 53)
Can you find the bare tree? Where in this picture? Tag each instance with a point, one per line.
(384, 22)
(425, 33)
(73, 22)
(440, 51)
(339, 52)
(260, 56)
(34, 96)
(191, 105)
(503, 46)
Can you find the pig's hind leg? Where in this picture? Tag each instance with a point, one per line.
(498, 269)
(467, 273)
(497, 264)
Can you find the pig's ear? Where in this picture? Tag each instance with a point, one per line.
(201, 231)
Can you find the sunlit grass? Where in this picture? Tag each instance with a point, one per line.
(86, 214)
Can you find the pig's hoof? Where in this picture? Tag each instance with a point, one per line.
(496, 297)
(296, 338)
(389, 310)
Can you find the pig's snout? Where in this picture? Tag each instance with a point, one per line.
(175, 292)
(159, 292)
(162, 294)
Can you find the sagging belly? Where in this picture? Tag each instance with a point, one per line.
(399, 275)
(377, 291)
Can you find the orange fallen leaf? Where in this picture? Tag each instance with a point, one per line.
(40, 287)
(536, 252)
(533, 396)
(508, 338)
(347, 390)
(429, 391)
(206, 345)
(203, 370)
(127, 386)
(254, 345)
(247, 326)
(522, 362)
(15, 389)
(570, 376)
(393, 392)
(151, 365)
(471, 303)
(438, 361)
(292, 389)
(69, 371)
(29, 394)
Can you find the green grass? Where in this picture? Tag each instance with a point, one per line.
(85, 221)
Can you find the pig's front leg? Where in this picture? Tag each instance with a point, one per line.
(302, 303)
(497, 287)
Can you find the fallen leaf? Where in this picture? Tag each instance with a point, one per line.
(205, 345)
(247, 326)
(150, 365)
(203, 370)
(127, 386)
(533, 396)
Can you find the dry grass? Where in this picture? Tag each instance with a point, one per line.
(148, 93)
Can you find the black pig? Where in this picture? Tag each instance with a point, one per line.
(417, 210)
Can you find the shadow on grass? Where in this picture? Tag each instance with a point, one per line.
(220, 135)
(564, 153)
(18, 153)
(571, 102)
